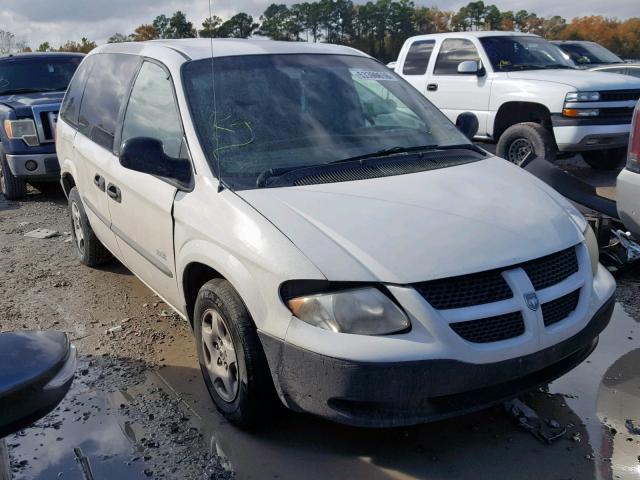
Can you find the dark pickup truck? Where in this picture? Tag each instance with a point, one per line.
(31, 89)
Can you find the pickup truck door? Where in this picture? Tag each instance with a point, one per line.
(453, 92)
(141, 204)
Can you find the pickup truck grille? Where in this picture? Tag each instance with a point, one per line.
(490, 287)
(619, 95)
(45, 118)
(617, 112)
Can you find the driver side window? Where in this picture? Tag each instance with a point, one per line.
(454, 51)
(152, 110)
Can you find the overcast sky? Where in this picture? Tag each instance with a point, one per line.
(37, 21)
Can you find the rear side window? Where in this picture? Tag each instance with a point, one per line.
(418, 57)
(71, 104)
(453, 51)
(104, 95)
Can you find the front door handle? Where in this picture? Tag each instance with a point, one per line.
(98, 181)
(432, 87)
(114, 192)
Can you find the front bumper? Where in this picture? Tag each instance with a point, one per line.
(404, 393)
(578, 135)
(46, 166)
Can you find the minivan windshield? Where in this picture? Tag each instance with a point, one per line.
(32, 74)
(288, 111)
(516, 53)
(588, 53)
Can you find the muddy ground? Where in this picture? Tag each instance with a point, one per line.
(138, 408)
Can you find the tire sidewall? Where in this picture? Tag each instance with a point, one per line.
(540, 140)
(208, 299)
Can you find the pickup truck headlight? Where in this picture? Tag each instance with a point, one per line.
(363, 311)
(582, 97)
(23, 129)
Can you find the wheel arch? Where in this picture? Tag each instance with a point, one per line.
(512, 113)
(68, 177)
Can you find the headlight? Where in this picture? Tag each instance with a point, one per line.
(23, 129)
(576, 216)
(582, 97)
(591, 242)
(363, 311)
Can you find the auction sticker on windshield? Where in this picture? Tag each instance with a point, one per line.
(371, 75)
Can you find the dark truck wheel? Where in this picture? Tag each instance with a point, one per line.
(611, 159)
(90, 250)
(232, 361)
(521, 139)
(12, 188)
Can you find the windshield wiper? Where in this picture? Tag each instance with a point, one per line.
(559, 65)
(262, 179)
(399, 150)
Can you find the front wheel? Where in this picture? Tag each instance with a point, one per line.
(521, 139)
(611, 159)
(232, 361)
(12, 188)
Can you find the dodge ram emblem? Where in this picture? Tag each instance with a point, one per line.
(532, 301)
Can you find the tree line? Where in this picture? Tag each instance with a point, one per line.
(379, 27)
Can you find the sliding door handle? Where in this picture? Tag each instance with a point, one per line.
(114, 192)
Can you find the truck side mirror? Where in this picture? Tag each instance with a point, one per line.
(468, 124)
(469, 67)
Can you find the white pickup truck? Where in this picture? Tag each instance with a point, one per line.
(526, 94)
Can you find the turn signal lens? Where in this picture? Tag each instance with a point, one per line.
(580, 112)
(23, 129)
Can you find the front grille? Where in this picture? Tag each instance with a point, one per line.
(617, 112)
(490, 286)
(546, 271)
(560, 308)
(465, 290)
(492, 329)
(619, 95)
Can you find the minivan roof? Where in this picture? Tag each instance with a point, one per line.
(199, 48)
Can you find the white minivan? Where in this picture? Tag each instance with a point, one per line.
(334, 241)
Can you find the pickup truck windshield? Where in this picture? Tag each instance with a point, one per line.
(516, 53)
(290, 111)
(589, 53)
(25, 75)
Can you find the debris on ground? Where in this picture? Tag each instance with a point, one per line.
(85, 467)
(631, 427)
(543, 429)
(42, 233)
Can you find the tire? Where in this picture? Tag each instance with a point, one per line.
(521, 138)
(89, 249)
(12, 188)
(611, 159)
(247, 397)
(47, 188)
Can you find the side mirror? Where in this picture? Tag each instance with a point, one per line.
(468, 124)
(146, 155)
(36, 371)
(470, 67)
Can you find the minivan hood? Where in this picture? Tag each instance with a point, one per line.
(580, 79)
(422, 226)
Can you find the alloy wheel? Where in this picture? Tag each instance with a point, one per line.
(219, 355)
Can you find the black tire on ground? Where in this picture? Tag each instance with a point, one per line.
(89, 249)
(254, 399)
(611, 159)
(12, 188)
(47, 188)
(521, 138)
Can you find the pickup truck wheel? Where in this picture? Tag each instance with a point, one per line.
(611, 159)
(232, 361)
(12, 188)
(520, 139)
(90, 250)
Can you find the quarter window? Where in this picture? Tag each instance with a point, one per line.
(152, 110)
(107, 86)
(453, 51)
(71, 103)
(418, 57)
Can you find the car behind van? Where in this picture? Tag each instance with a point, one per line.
(335, 242)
